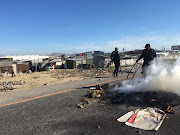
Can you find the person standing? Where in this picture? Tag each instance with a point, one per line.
(115, 57)
(19, 72)
(148, 55)
(65, 65)
(12, 71)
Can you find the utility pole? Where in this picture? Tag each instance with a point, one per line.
(75, 52)
(125, 44)
(125, 50)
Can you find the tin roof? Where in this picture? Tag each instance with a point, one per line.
(5, 63)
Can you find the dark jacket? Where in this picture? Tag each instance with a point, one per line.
(148, 55)
(115, 56)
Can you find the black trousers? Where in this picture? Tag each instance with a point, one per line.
(13, 74)
(144, 69)
(117, 64)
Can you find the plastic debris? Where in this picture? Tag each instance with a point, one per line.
(146, 119)
(10, 85)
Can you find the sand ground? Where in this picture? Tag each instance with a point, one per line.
(38, 79)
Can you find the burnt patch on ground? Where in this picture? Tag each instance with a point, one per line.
(158, 99)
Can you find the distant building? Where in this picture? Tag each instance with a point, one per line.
(83, 54)
(84, 63)
(88, 54)
(134, 53)
(33, 58)
(22, 66)
(98, 53)
(6, 59)
(99, 61)
(5, 67)
(175, 48)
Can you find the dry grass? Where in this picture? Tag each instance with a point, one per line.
(94, 95)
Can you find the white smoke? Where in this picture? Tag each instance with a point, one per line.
(162, 76)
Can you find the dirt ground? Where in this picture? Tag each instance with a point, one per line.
(38, 79)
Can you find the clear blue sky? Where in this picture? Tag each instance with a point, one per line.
(47, 26)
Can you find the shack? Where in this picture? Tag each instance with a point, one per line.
(22, 66)
(5, 67)
(99, 61)
(84, 63)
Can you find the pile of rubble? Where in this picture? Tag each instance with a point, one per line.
(80, 72)
(10, 85)
(95, 94)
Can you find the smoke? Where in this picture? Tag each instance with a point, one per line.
(162, 76)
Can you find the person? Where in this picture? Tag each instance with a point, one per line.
(115, 57)
(39, 67)
(12, 71)
(65, 65)
(19, 72)
(35, 68)
(148, 55)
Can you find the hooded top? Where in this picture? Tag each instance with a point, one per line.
(148, 55)
(115, 56)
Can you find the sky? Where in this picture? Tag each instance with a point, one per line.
(29, 27)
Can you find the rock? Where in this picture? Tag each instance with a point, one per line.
(80, 106)
(137, 131)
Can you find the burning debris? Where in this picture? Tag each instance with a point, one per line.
(161, 76)
(158, 93)
(158, 99)
(160, 88)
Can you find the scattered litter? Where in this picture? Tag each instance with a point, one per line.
(10, 85)
(99, 126)
(92, 88)
(99, 95)
(84, 103)
(80, 105)
(80, 72)
(127, 71)
(170, 110)
(98, 91)
(95, 94)
(98, 87)
(99, 68)
(146, 119)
